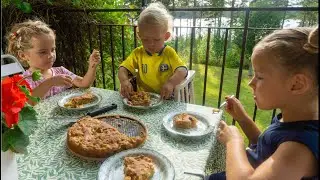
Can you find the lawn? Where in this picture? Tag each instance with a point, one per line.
(263, 118)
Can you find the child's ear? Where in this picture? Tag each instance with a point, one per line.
(301, 83)
(167, 36)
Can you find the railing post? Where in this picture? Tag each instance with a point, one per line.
(191, 47)
(90, 43)
(243, 48)
(143, 3)
(206, 67)
(112, 59)
(101, 55)
(223, 65)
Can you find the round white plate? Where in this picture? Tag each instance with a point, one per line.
(85, 106)
(155, 101)
(203, 126)
(113, 167)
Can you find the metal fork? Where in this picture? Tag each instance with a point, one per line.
(221, 106)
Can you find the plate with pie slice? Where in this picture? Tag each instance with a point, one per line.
(187, 124)
(143, 100)
(80, 101)
(134, 163)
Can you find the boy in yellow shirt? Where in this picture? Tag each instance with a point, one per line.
(157, 67)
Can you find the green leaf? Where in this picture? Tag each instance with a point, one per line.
(18, 3)
(28, 120)
(34, 99)
(4, 143)
(17, 140)
(24, 90)
(49, 2)
(36, 75)
(76, 2)
(26, 7)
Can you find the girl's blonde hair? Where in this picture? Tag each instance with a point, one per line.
(19, 37)
(156, 14)
(297, 49)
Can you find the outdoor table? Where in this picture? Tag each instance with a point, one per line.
(48, 157)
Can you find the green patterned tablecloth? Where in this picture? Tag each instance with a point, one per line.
(48, 158)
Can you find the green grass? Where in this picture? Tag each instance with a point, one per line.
(263, 118)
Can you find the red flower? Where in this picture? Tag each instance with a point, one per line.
(13, 99)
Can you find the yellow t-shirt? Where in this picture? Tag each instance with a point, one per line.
(152, 70)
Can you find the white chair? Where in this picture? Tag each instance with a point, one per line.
(11, 68)
(184, 92)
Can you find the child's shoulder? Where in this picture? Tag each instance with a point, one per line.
(169, 50)
(138, 50)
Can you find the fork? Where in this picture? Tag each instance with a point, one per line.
(216, 110)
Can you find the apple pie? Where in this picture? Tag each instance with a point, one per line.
(140, 98)
(185, 121)
(95, 138)
(138, 167)
(79, 101)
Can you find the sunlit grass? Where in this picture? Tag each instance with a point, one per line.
(263, 118)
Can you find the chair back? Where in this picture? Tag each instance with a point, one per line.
(184, 92)
(10, 68)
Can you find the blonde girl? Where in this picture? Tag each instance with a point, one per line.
(33, 43)
(286, 68)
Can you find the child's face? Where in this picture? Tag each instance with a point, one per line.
(270, 82)
(153, 37)
(43, 52)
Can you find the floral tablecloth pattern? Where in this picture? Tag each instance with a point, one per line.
(48, 158)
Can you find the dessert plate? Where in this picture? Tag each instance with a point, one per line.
(65, 99)
(203, 126)
(155, 101)
(113, 167)
(125, 124)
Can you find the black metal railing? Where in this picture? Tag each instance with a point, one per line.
(245, 29)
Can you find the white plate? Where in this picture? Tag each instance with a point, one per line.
(85, 106)
(113, 167)
(155, 101)
(203, 125)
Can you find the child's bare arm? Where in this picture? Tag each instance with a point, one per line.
(291, 160)
(178, 76)
(126, 86)
(90, 76)
(41, 90)
(236, 110)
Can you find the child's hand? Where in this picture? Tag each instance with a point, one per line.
(61, 80)
(235, 109)
(227, 133)
(126, 88)
(166, 90)
(95, 58)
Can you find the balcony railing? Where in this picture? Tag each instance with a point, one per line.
(112, 29)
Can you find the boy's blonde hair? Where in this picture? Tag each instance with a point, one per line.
(296, 49)
(19, 37)
(156, 14)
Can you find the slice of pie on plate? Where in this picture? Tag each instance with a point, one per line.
(79, 101)
(140, 98)
(138, 167)
(185, 121)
